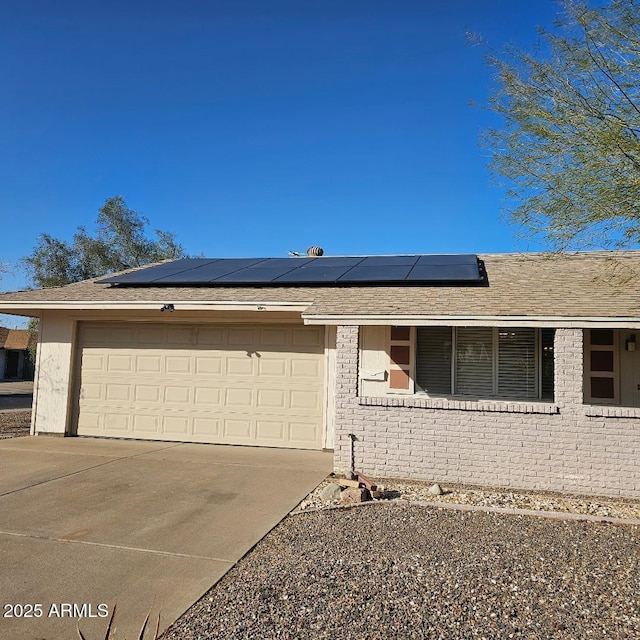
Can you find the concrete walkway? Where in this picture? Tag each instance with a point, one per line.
(150, 525)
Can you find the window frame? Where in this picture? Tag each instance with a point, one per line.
(409, 368)
(589, 348)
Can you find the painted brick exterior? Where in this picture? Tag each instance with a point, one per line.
(565, 446)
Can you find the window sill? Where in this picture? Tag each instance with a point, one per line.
(601, 411)
(447, 404)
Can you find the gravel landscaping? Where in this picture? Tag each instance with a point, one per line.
(417, 491)
(15, 423)
(396, 570)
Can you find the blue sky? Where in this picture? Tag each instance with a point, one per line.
(253, 127)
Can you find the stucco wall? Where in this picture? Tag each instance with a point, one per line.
(564, 446)
(52, 384)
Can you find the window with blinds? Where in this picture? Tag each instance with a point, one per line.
(433, 360)
(485, 362)
(517, 363)
(475, 362)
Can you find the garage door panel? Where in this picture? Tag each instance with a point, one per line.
(259, 385)
(305, 368)
(118, 392)
(145, 393)
(120, 363)
(271, 337)
(238, 398)
(306, 399)
(150, 335)
(208, 365)
(274, 367)
(93, 362)
(149, 364)
(123, 334)
(239, 365)
(175, 425)
(304, 338)
(180, 395)
(242, 337)
(208, 397)
(177, 336)
(272, 398)
(178, 364)
(206, 427)
(273, 431)
(146, 424)
(303, 434)
(117, 422)
(211, 337)
(91, 421)
(237, 429)
(92, 391)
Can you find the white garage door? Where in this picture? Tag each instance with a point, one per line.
(230, 384)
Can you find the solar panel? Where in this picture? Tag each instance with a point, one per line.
(143, 276)
(340, 270)
(313, 275)
(444, 259)
(337, 261)
(444, 273)
(207, 272)
(258, 274)
(287, 263)
(376, 274)
(389, 261)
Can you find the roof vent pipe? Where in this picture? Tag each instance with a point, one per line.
(315, 252)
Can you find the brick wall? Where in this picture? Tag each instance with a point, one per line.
(564, 446)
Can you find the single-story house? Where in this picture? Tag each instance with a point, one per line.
(513, 370)
(15, 363)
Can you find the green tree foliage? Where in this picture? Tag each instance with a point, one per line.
(4, 268)
(570, 145)
(120, 243)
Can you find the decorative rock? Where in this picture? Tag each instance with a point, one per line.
(353, 495)
(330, 492)
(348, 483)
(435, 490)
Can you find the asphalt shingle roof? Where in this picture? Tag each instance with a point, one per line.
(586, 284)
(17, 339)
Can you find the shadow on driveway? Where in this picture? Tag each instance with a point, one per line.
(16, 395)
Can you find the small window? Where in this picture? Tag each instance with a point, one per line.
(601, 366)
(401, 361)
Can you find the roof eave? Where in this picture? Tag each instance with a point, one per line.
(580, 322)
(35, 308)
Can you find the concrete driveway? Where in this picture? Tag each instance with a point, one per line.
(150, 525)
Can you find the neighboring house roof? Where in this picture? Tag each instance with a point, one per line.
(17, 339)
(577, 285)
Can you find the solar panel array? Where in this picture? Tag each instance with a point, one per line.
(347, 270)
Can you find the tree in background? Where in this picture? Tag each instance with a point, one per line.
(120, 243)
(570, 144)
(4, 268)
